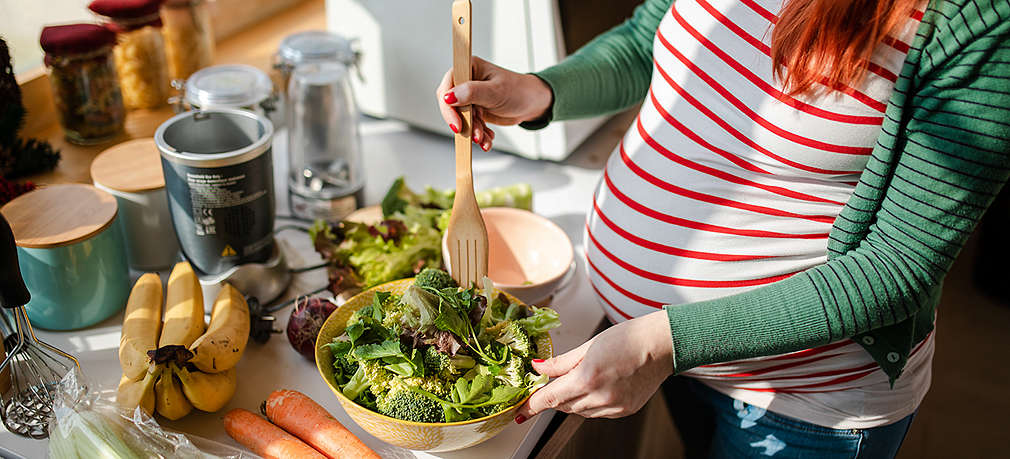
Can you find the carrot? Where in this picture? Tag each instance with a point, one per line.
(264, 438)
(295, 412)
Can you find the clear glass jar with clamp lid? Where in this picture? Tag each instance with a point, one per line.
(230, 86)
(313, 46)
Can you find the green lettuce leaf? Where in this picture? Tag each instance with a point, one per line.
(542, 320)
(388, 348)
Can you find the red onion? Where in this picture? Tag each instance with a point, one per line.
(306, 320)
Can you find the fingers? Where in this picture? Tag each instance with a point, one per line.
(478, 126)
(489, 138)
(482, 135)
(555, 394)
(479, 93)
(563, 363)
(449, 114)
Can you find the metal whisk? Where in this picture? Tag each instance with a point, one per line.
(31, 371)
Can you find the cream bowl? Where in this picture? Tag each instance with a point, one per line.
(529, 256)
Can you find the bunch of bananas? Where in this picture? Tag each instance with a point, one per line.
(180, 363)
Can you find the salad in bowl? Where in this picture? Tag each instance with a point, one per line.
(425, 364)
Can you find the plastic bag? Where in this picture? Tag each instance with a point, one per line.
(85, 425)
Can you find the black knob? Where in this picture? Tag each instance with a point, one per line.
(13, 292)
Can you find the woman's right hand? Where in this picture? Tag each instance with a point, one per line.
(499, 96)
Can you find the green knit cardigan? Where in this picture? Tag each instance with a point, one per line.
(940, 160)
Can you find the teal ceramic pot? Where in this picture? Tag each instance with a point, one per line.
(72, 255)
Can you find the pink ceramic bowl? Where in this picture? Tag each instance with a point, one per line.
(529, 255)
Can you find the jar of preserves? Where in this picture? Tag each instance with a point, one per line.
(189, 38)
(85, 86)
(140, 51)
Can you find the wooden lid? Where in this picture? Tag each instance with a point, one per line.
(129, 167)
(58, 215)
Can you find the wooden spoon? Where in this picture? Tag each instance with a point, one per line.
(465, 245)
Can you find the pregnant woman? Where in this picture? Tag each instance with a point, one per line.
(799, 179)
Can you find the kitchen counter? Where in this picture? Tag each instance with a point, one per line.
(562, 192)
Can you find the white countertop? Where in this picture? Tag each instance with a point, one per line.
(562, 192)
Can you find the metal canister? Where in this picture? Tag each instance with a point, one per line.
(219, 178)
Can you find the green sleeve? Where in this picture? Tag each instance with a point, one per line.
(941, 159)
(608, 74)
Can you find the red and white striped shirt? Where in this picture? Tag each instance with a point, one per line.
(724, 183)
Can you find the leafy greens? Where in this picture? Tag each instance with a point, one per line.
(466, 350)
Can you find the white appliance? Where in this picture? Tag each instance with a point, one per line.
(406, 48)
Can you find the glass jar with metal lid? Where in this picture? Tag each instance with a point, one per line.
(313, 46)
(84, 81)
(325, 173)
(189, 36)
(231, 86)
(140, 53)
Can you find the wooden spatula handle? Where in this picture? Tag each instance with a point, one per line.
(461, 73)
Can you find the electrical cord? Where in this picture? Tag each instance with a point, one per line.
(277, 307)
(290, 227)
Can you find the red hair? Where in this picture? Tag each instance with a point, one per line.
(830, 42)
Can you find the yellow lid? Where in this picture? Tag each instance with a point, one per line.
(130, 167)
(58, 215)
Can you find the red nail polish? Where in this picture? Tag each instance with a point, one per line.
(538, 360)
(474, 137)
(520, 419)
(454, 128)
(449, 98)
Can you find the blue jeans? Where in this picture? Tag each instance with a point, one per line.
(713, 425)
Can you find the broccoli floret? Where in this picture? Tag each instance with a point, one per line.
(346, 364)
(392, 319)
(396, 314)
(444, 365)
(435, 362)
(488, 410)
(433, 384)
(515, 337)
(434, 278)
(402, 403)
(358, 383)
(513, 372)
(363, 312)
(379, 378)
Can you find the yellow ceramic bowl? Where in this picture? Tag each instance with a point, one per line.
(417, 436)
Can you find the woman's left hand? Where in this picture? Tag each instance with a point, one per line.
(610, 376)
